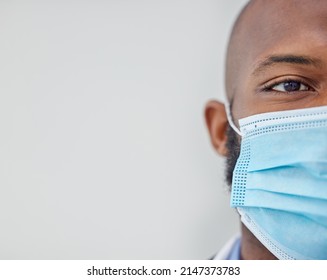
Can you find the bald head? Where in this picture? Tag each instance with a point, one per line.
(264, 29)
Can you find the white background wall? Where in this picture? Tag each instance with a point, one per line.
(103, 149)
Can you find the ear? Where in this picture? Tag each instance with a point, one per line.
(216, 120)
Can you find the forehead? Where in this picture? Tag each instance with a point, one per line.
(284, 26)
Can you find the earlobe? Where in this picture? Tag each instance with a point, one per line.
(216, 120)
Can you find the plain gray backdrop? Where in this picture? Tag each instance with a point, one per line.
(104, 152)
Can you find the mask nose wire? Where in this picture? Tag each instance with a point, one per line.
(230, 119)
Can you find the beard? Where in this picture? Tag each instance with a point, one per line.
(233, 146)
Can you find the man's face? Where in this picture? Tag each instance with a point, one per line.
(277, 60)
(284, 63)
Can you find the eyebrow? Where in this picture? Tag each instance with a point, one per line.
(290, 59)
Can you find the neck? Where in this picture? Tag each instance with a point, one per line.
(252, 248)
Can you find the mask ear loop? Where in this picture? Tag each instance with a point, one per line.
(230, 119)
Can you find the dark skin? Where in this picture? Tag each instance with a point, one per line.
(276, 60)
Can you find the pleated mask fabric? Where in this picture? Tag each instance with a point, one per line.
(280, 181)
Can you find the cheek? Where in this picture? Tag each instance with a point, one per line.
(245, 105)
(244, 101)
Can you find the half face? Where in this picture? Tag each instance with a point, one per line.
(284, 63)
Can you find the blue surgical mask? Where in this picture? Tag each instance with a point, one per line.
(280, 181)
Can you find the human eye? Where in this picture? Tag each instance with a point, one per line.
(287, 86)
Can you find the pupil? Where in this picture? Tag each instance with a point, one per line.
(292, 86)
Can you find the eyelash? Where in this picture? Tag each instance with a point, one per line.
(269, 86)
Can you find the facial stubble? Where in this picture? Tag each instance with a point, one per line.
(233, 151)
